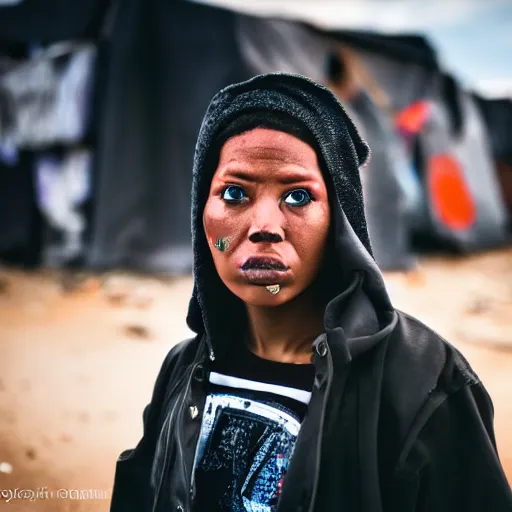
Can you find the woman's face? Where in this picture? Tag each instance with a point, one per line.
(268, 206)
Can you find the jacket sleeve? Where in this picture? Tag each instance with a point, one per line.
(460, 468)
(132, 481)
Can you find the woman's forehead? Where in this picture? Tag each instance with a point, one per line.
(261, 149)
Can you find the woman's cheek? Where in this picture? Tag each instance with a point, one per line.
(309, 233)
(321, 219)
(314, 223)
(221, 221)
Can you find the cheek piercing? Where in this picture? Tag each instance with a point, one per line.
(221, 244)
(274, 289)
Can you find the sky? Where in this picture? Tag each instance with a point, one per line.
(473, 37)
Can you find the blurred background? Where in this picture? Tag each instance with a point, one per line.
(100, 106)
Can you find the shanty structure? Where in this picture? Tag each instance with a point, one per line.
(101, 103)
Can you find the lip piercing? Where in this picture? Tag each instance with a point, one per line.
(274, 289)
(221, 244)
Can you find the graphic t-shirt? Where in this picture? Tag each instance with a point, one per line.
(251, 420)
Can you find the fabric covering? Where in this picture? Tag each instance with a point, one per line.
(272, 46)
(63, 186)
(384, 198)
(154, 95)
(466, 208)
(47, 99)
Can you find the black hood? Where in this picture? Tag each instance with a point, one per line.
(361, 307)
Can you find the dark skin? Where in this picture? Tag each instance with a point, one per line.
(268, 199)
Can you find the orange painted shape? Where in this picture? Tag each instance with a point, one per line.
(413, 117)
(451, 197)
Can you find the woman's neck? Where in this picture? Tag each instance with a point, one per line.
(286, 333)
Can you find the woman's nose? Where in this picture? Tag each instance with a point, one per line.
(267, 221)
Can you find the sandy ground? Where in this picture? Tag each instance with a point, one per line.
(79, 356)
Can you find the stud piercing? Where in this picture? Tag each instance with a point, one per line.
(221, 244)
(274, 289)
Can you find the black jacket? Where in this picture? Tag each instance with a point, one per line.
(397, 421)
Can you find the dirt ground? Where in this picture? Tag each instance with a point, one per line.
(79, 356)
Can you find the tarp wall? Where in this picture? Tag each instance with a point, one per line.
(467, 210)
(166, 61)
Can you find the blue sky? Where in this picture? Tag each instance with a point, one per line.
(477, 48)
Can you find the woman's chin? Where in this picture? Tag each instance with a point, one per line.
(260, 296)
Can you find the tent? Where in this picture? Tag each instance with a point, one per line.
(156, 68)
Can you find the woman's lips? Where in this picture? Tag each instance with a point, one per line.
(264, 271)
(264, 277)
(264, 263)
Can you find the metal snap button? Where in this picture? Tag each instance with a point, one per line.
(321, 348)
(194, 412)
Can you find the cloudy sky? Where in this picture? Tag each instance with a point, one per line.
(473, 37)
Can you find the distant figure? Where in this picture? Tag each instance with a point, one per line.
(304, 389)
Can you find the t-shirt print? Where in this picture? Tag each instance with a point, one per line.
(246, 442)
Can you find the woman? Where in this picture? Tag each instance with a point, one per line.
(304, 389)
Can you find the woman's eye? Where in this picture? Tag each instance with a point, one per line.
(233, 194)
(299, 197)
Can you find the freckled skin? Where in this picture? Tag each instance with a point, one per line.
(267, 158)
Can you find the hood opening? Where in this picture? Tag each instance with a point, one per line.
(357, 298)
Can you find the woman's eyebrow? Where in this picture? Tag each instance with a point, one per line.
(287, 178)
(295, 177)
(239, 174)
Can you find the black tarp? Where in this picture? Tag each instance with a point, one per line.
(385, 202)
(497, 114)
(51, 21)
(166, 60)
(20, 221)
